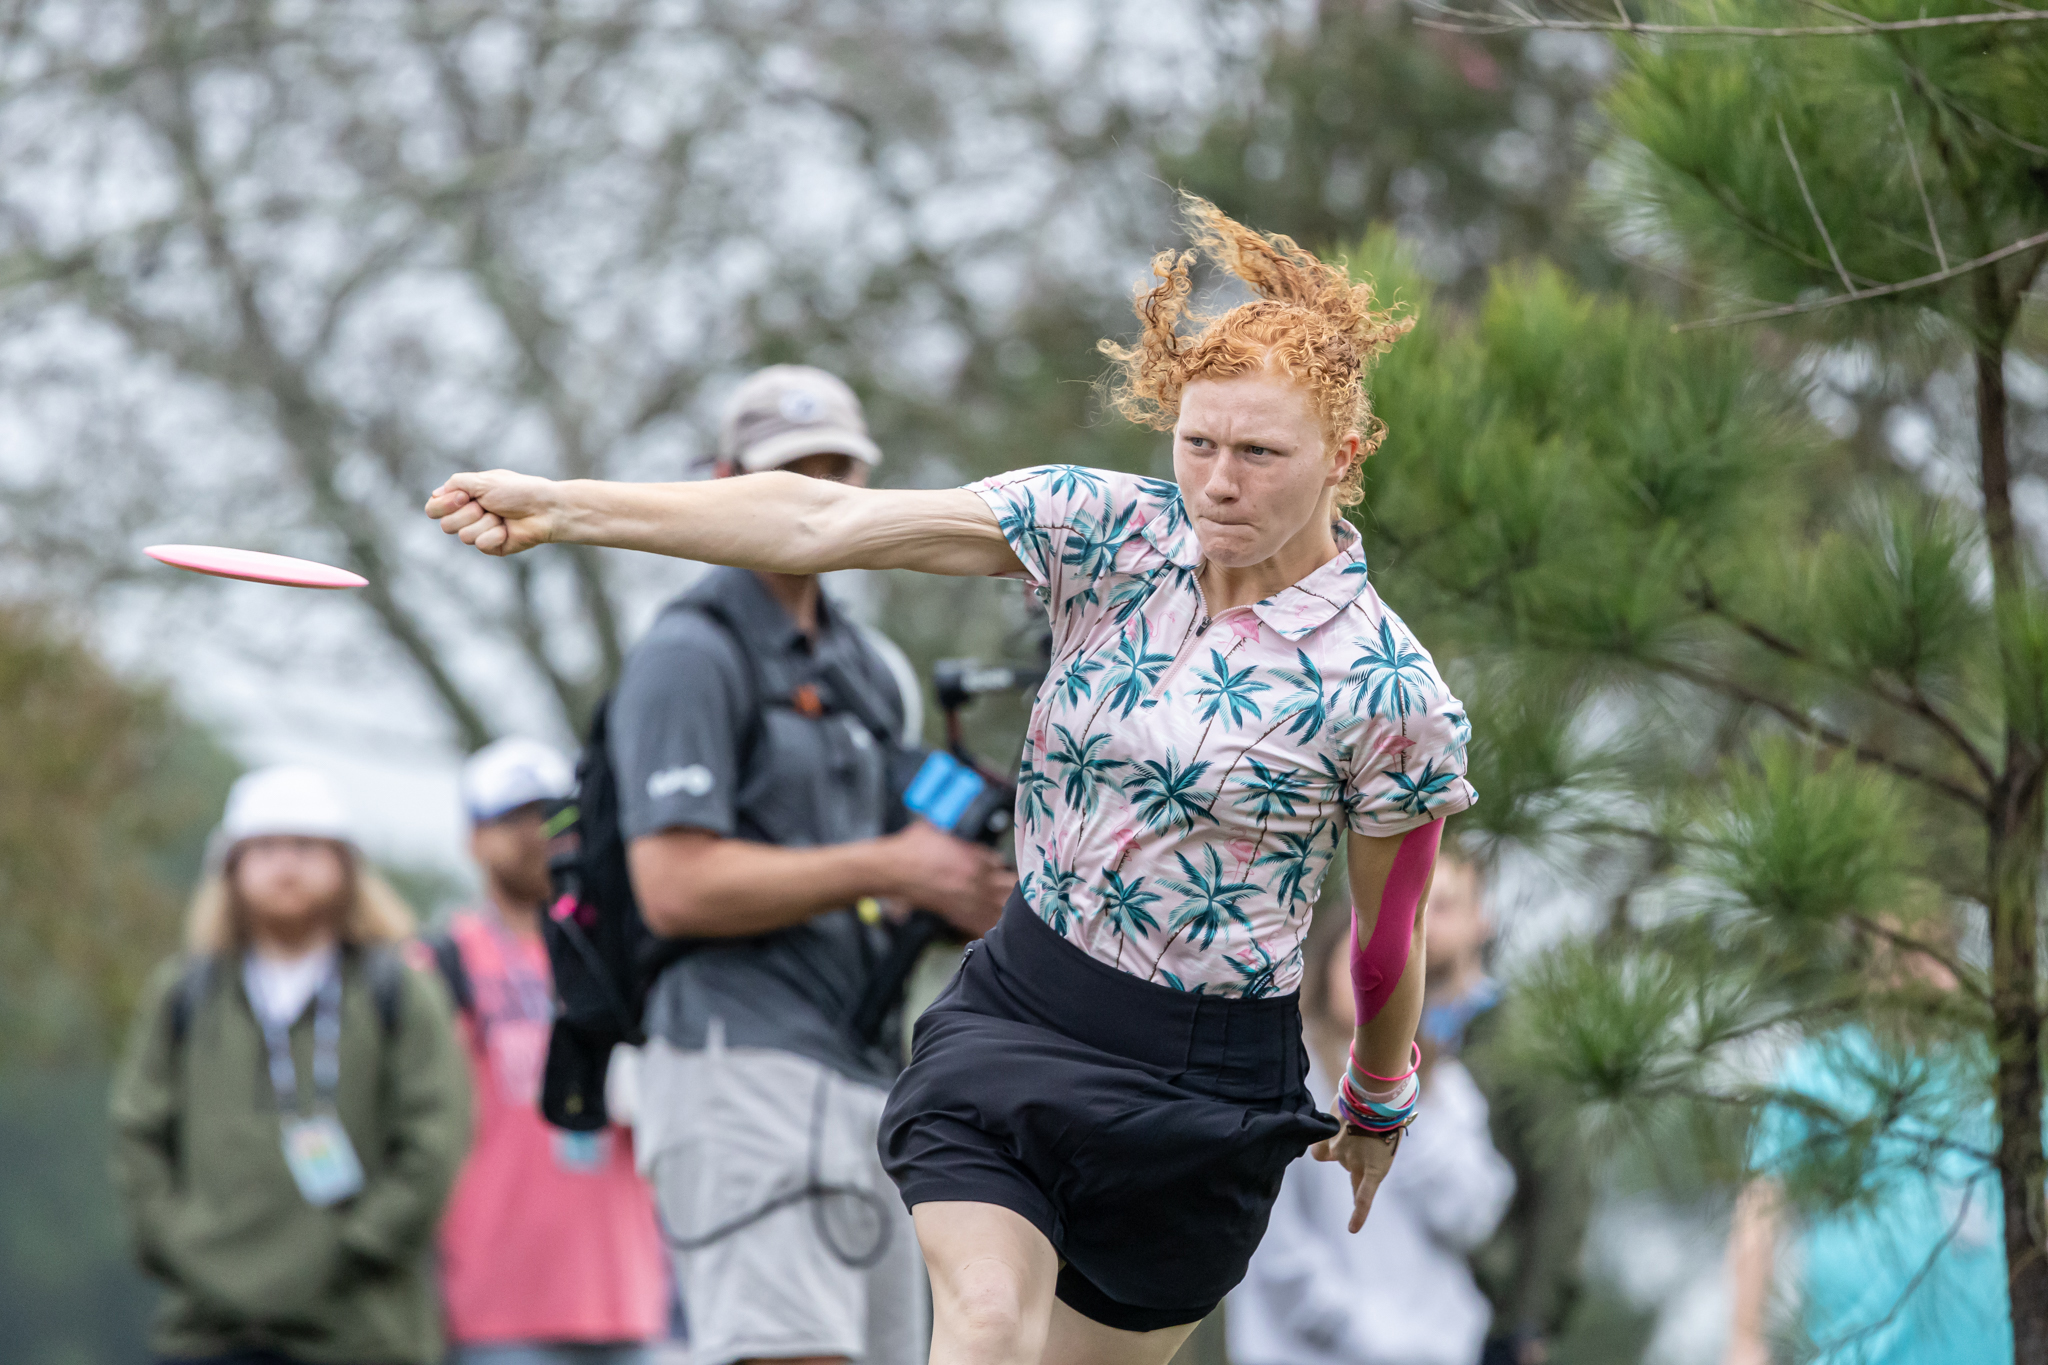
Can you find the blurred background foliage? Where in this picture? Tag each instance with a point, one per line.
(1756, 669)
(106, 798)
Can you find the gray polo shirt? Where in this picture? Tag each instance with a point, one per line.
(680, 723)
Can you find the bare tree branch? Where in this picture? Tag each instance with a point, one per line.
(301, 416)
(1907, 697)
(1816, 729)
(1882, 291)
(1913, 160)
(1479, 23)
(1785, 141)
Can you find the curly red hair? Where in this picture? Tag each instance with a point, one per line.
(1311, 322)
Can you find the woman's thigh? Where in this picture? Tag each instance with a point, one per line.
(1077, 1340)
(993, 1275)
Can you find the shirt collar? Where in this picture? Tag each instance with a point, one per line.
(764, 617)
(1164, 522)
(1317, 599)
(1293, 611)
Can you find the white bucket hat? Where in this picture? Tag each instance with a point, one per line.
(288, 799)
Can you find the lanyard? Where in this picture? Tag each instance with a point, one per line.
(277, 1039)
(530, 996)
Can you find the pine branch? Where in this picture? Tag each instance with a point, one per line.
(1513, 18)
(1881, 291)
(1816, 729)
(1785, 141)
(1913, 161)
(1908, 696)
(1965, 977)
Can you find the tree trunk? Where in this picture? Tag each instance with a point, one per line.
(2016, 845)
(2016, 1015)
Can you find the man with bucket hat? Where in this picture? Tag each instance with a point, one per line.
(749, 736)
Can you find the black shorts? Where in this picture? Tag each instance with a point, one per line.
(1142, 1129)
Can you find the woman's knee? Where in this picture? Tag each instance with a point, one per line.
(992, 1277)
(985, 1301)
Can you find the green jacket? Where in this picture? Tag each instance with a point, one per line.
(199, 1161)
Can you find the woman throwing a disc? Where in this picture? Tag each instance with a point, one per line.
(1098, 1110)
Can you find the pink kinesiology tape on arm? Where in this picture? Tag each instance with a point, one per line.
(1376, 966)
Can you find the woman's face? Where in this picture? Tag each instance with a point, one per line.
(1253, 468)
(288, 884)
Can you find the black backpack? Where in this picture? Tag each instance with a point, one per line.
(604, 957)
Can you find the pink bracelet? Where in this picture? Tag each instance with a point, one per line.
(1414, 1065)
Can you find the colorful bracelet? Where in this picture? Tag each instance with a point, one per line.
(1380, 1117)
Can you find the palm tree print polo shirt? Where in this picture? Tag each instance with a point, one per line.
(1185, 782)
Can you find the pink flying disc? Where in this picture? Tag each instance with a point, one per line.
(254, 566)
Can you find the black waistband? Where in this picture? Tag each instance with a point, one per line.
(1244, 1048)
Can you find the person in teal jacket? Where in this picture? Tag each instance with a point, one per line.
(1908, 1266)
(292, 1105)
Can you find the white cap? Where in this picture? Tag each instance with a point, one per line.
(285, 800)
(503, 776)
(786, 412)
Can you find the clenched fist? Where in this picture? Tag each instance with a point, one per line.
(499, 512)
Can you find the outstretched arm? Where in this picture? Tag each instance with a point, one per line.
(774, 522)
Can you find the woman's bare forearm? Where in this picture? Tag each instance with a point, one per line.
(774, 522)
(764, 521)
(1385, 1035)
(1384, 1045)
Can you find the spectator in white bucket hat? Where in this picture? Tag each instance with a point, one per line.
(291, 1108)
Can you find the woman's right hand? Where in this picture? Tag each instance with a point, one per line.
(498, 511)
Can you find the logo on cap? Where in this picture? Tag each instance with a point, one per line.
(798, 406)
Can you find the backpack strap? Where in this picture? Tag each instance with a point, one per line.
(454, 974)
(716, 612)
(385, 971)
(855, 694)
(188, 995)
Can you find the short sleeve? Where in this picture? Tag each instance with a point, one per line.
(1408, 762)
(676, 728)
(1066, 524)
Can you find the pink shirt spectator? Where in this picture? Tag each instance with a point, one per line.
(1185, 781)
(550, 1236)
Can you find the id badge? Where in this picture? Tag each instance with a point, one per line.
(322, 1159)
(582, 1153)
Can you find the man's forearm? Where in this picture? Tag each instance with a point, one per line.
(697, 885)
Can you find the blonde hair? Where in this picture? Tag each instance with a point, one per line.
(1311, 321)
(367, 910)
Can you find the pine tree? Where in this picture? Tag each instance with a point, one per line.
(1473, 146)
(1792, 710)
